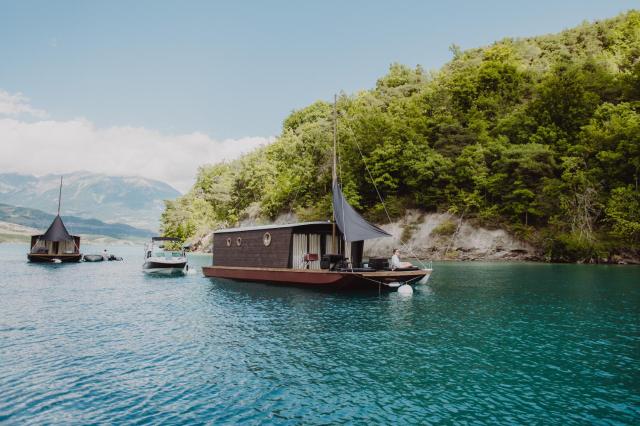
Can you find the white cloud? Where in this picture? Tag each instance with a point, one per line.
(49, 146)
(18, 104)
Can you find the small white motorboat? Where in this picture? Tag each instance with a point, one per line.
(159, 261)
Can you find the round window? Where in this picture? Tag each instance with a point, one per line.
(228, 242)
(266, 239)
(238, 241)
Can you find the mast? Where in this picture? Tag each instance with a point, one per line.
(334, 173)
(60, 196)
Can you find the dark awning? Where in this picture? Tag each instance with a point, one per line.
(56, 232)
(352, 225)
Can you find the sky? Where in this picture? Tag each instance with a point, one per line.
(157, 88)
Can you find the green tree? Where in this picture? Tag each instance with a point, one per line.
(623, 210)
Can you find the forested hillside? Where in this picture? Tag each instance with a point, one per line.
(539, 136)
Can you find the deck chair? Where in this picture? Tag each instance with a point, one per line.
(308, 258)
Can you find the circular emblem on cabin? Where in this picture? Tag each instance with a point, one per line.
(228, 242)
(266, 239)
(238, 241)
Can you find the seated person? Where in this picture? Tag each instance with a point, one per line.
(395, 261)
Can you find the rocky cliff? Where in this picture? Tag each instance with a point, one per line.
(441, 236)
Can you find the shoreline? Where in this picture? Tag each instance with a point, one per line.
(445, 237)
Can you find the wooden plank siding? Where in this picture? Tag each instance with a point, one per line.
(279, 254)
(252, 251)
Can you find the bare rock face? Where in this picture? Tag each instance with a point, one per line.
(203, 244)
(441, 236)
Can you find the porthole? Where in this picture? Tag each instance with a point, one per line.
(266, 239)
(228, 242)
(238, 241)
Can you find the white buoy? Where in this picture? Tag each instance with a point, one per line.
(405, 290)
(57, 261)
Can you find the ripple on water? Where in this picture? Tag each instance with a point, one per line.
(482, 343)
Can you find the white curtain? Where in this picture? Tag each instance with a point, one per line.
(68, 247)
(329, 246)
(314, 247)
(299, 249)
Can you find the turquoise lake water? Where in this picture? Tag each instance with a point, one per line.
(481, 343)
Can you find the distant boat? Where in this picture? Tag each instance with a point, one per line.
(93, 258)
(56, 244)
(100, 257)
(310, 254)
(158, 260)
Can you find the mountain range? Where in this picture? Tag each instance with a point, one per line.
(129, 200)
(39, 220)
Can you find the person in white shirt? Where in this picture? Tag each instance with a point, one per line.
(395, 261)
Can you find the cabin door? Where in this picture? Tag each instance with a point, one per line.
(56, 246)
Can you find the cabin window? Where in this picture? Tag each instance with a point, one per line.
(266, 239)
(228, 242)
(239, 241)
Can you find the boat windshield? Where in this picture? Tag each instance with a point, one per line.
(160, 253)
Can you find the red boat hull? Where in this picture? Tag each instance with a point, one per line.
(313, 278)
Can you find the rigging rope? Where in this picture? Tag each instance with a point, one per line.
(295, 197)
(407, 247)
(455, 233)
(339, 173)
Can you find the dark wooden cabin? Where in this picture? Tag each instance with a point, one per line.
(294, 246)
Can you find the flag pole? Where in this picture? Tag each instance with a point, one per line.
(60, 196)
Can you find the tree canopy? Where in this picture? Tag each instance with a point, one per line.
(538, 135)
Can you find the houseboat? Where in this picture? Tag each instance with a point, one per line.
(302, 254)
(56, 244)
(310, 254)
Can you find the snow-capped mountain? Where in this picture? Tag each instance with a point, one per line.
(132, 200)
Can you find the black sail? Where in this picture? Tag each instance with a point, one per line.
(352, 225)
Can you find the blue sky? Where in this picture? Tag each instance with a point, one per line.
(159, 88)
(235, 69)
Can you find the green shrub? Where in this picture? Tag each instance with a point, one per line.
(445, 228)
(570, 247)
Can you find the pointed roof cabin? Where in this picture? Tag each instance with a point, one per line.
(56, 244)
